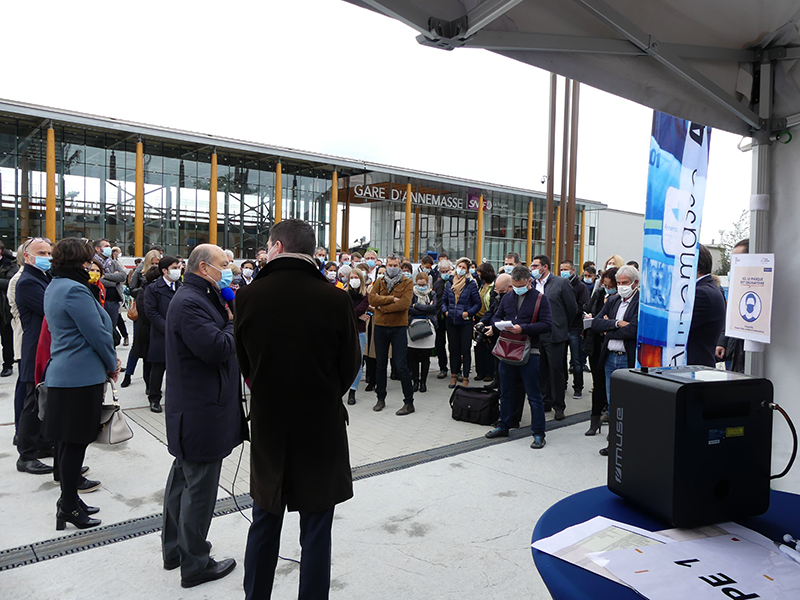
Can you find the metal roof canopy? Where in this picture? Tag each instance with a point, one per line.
(731, 65)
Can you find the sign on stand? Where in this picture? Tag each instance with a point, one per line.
(750, 297)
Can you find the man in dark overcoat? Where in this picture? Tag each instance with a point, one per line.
(299, 454)
(204, 415)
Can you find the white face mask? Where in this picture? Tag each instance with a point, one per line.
(625, 290)
(174, 274)
(331, 275)
(355, 284)
(247, 272)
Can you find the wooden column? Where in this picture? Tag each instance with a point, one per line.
(408, 221)
(346, 222)
(573, 171)
(416, 234)
(334, 213)
(551, 167)
(50, 202)
(278, 205)
(530, 231)
(559, 253)
(582, 240)
(138, 218)
(479, 245)
(212, 201)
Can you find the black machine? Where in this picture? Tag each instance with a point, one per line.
(691, 445)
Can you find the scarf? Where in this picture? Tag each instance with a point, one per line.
(78, 274)
(459, 283)
(390, 283)
(424, 297)
(106, 262)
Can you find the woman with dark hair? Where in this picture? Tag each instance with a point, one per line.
(248, 272)
(141, 334)
(82, 358)
(484, 361)
(96, 286)
(593, 345)
(460, 304)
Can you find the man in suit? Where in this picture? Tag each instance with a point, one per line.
(157, 297)
(204, 415)
(577, 358)
(708, 315)
(553, 346)
(30, 303)
(619, 320)
(289, 307)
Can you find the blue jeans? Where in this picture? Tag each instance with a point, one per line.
(508, 382)
(576, 358)
(613, 362)
(133, 356)
(398, 338)
(362, 337)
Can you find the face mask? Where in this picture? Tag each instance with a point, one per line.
(422, 288)
(445, 276)
(424, 270)
(174, 274)
(508, 268)
(42, 263)
(331, 275)
(380, 276)
(345, 263)
(519, 291)
(536, 273)
(610, 292)
(588, 280)
(392, 272)
(321, 259)
(407, 274)
(107, 251)
(625, 290)
(226, 279)
(355, 284)
(370, 263)
(94, 276)
(565, 274)
(247, 273)
(609, 266)
(461, 272)
(472, 272)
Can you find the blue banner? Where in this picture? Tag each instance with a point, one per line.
(676, 187)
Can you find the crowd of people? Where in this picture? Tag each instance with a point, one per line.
(201, 325)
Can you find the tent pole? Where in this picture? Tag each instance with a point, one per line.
(573, 172)
(549, 212)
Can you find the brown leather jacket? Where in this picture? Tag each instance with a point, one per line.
(389, 313)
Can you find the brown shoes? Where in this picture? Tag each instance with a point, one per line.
(406, 410)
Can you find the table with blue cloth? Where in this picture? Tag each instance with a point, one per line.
(566, 581)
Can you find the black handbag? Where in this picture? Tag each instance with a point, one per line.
(475, 405)
(420, 329)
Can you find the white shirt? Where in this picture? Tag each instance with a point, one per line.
(170, 283)
(540, 283)
(619, 345)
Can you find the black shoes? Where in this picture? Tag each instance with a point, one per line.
(155, 407)
(415, 385)
(423, 387)
(604, 451)
(351, 397)
(379, 406)
(126, 381)
(214, 570)
(497, 432)
(87, 486)
(370, 387)
(577, 393)
(34, 467)
(538, 442)
(559, 416)
(406, 410)
(594, 426)
(494, 385)
(7, 372)
(89, 510)
(77, 517)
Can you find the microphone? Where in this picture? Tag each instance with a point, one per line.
(227, 294)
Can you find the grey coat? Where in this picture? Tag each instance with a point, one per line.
(563, 308)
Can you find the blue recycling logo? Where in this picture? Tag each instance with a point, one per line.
(750, 307)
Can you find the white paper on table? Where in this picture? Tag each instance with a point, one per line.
(689, 570)
(729, 527)
(575, 543)
(503, 325)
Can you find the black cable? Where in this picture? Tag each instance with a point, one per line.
(777, 407)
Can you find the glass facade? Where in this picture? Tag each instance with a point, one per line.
(96, 196)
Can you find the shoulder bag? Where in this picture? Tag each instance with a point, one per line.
(133, 312)
(515, 348)
(420, 329)
(114, 429)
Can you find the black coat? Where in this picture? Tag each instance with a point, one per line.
(593, 340)
(157, 297)
(30, 302)
(608, 326)
(708, 322)
(204, 415)
(562, 306)
(296, 341)
(8, 268)
(581, 298)
(141, 338)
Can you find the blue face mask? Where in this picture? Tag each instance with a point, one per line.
(472, 271)
(422, 288)
(588, 280)
(370, 263)
(461, 272)
(445, 276)
(227, 277)
(610, 292)
(407, 274)
(345, 263)
(424, 270)
(565, 274)
(536, 273)
(107, 251)
(508, 268)
(519, 291)
(380, 276)
(43, 263)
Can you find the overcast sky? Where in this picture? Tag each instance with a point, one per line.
(325, 76)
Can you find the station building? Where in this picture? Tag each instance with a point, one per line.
(70, 174)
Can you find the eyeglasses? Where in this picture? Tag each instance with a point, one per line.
(29, 241)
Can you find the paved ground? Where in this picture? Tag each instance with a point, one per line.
(455, 527)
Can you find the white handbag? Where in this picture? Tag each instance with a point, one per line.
(114, 428)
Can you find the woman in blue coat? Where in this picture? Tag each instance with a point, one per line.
(460, 303)
(82, 357)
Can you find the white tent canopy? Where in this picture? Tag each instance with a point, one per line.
(703, 61)
(730, 64)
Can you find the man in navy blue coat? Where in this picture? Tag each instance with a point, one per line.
(708, 315)
(204, 417)
(30, 302)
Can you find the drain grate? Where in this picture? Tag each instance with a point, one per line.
(133, 528)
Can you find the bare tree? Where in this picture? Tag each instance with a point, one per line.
(740, 231)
